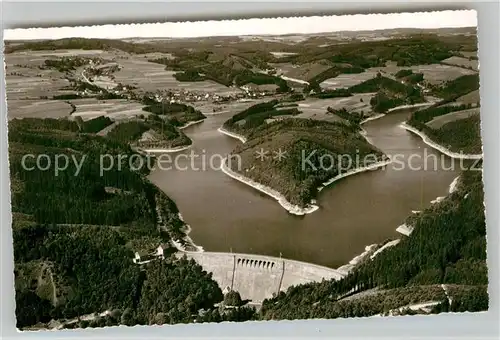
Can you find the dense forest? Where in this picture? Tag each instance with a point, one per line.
(458, 87)
(354, 118)
(80, 43)
(66, 64)
(389, 93)
(246, 121)
(93, 125)
(447, 246)
(197, 66)
(75, 234)
(161, 133)
(460, 135)
(416, 49)
(325, 94)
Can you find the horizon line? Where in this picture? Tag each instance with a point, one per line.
(245, 35)
(304, 25)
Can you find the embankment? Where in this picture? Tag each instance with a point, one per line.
(191, 123)
(408, 229)
(374, 117)
(290, 207)
(186, 244)
(295, 80)
(171, 150)
(438, 147)
(346, 268)
(355, 171)
(403, 107)
(232, 134)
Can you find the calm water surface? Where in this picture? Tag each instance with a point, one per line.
(355, 212)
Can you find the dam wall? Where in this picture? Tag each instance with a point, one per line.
(258, 277)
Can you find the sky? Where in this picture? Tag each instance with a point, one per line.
(272, 26)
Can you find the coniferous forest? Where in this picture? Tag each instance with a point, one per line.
(447, 247)
(86, 219)
(73, 242)
(75, 234)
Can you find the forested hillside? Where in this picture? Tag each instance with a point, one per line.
(175, 113)
(447, 247)
(75, 233)
(159, 133)
(318, 142)
(389, 93)
(97, 244)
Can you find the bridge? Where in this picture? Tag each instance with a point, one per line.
(258, 277)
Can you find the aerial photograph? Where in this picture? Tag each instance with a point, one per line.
(179, 174)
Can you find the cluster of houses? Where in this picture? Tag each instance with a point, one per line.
(146, 257)
(187, 96)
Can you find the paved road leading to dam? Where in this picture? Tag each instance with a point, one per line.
(258, 277)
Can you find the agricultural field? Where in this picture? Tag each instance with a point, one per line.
(348, 80)
(463, 62)
(470, 98)
(27, 80)
(439, 121)
(150, 76)
(304, 71)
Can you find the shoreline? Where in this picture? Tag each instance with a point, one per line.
(290, 207)
(408, 229)
(407, 106)
(374, 117)
(404, 229)
(354, 171)
(454, 185)
(348, 267)
(191, 123)
(172, 150)
(294, 80)
(384, 247)
(438, 147)
(232, 134)
(187, 239)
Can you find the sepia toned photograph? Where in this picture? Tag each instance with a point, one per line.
(248, 170)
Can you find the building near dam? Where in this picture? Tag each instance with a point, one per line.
(258, 277)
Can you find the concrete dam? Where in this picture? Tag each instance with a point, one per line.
(258, 277)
